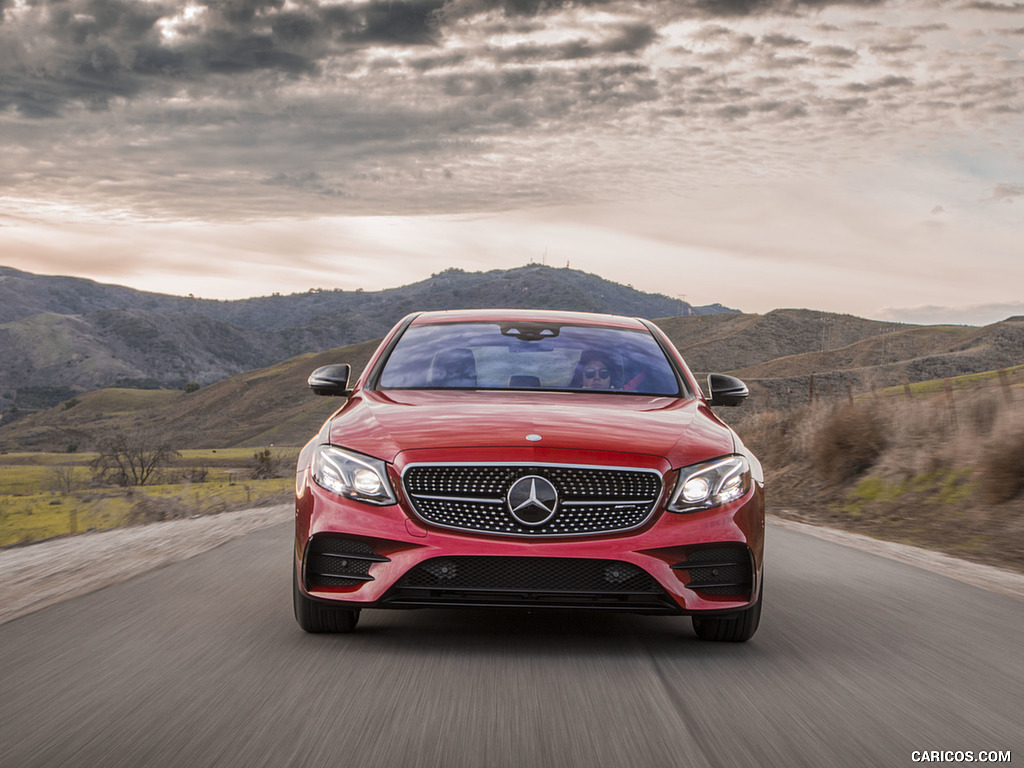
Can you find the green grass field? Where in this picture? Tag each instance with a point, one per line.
(1012, 377)
(43, 495)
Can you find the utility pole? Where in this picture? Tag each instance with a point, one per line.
(826, 333)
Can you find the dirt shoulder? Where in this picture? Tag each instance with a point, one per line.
(35, 576)
(987, 577)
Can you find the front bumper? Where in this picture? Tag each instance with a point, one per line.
(354, 554)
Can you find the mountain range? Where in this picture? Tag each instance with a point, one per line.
(784, 356)
(60, 336)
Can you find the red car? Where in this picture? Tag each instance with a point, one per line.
(528, 459)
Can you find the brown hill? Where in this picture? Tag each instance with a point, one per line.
(129, 347)
(903, 355)
(775, 353)
(733, 342)
(260, 407)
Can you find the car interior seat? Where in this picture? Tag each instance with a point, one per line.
(523, 381)
(453, 368)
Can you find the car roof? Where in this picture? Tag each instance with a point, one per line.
(527, 315)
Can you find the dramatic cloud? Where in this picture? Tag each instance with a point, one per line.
(132, 113)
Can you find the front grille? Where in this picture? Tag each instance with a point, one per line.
(591, 500)
(725, 570)
(530, 582)
(336, 562)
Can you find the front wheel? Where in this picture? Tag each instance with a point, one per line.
(314, 616)
(731, 628)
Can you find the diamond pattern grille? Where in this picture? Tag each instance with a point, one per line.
(592, 500)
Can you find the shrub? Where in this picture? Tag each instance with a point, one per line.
(153, 510)
(982, 415)
(850, 441)
(267, 464)
(192, 386)
(768, 433)
(1002, 473)
(195, 474)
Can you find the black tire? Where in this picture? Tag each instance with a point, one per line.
(732, 627)
(314, 616)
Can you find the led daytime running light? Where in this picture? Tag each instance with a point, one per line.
(352, 475)
(710, 484)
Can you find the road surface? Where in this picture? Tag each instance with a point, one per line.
(859, 661)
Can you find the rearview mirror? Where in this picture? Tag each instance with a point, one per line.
(331, 380)
(726, 390)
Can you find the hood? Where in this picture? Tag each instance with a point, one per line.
(383, 424)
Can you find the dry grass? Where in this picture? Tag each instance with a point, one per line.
(850, 441)
(25, 518)
(944, 470)
(1002, 474)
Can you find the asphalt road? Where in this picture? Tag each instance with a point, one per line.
(859, 661)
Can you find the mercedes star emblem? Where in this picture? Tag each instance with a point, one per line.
(532, 500)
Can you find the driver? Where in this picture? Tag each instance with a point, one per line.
(595, 371)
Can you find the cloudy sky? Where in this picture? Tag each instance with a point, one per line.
(863, 157)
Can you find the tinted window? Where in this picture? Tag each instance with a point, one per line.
(528, 356)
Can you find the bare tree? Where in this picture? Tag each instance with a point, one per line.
(131, 458)
(195, 474)
(62, 478)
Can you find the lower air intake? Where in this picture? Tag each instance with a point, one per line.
(530, 582)
(335, 562)
(725, 570)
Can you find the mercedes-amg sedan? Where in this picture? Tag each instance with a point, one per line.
(528, 460)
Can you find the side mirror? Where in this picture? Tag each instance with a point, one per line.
(726, 390)
(331, 380)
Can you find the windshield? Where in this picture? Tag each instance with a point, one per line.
(528, 355)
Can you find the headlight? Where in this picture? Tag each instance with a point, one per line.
(352, 475)
(710, 484)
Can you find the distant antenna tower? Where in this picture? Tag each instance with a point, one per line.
(544, 258)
